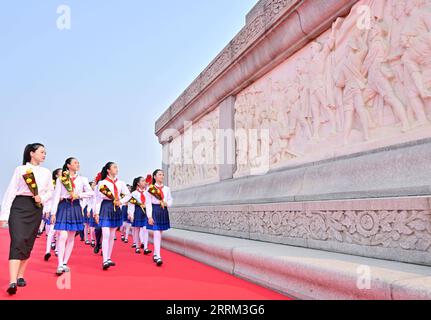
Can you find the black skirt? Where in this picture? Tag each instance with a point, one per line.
(24, 222)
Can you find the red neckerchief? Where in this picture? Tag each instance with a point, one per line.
(73, 182)
(142, 195)
(161, 192)
(115, 187)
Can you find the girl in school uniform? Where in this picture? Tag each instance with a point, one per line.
(68, 217)
(108, 212)
(158, 215)
(23, 211)
(127, 224)
(138, 215)
(50, 231)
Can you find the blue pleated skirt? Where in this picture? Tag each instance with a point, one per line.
(161, 219)
(110, 217)
(140, 218)
(69, 216)
(125, 214)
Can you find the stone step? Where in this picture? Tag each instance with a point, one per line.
(304, 273)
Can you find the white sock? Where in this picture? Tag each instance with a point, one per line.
(157, 243)
(48, 238)
(111, 242)
(144, 236)
(106, 235)
(136, 237)
(128, 227)
(61, 247)
(69, 246)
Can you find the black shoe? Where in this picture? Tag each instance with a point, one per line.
(106, 265)
(123, 238)
(147, 252)
(21, 282)
(142, 246)
(134, 246)
(138, 251)
(12, 289)
(111, 263)
(126, 241)
(155, 258)
(93, 244)
(87, 243)
(47, 256)
(96, 249)
(159, 262)
(53, 246)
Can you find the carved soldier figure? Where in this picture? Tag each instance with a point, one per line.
(318, 97)
(379, 73)
(353, 81)
(416, 39)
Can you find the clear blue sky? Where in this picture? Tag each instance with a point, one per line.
(95, 91)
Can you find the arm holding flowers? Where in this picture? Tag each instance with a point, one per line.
(98, 198)
(149, 207)
(169, 200)
(131, 211)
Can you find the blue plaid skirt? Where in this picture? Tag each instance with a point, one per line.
(140, 218)
(161, 219)
(69, 216)
(110, 217)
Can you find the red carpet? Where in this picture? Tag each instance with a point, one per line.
(134, 278)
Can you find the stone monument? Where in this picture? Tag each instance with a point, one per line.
(311, 129)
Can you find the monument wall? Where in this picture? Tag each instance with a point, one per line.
(311, 128)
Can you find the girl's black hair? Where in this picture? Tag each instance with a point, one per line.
(135, 183)
(54, 173)
(154, 175)
(67, 162)
(105, 169)
(28, 150)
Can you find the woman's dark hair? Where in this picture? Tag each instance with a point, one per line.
(28, 150)
(105, 170)
(67, 162)
(155, 174)
(135, 183)
(54, 173)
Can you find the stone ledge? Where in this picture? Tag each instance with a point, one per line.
(302, 273)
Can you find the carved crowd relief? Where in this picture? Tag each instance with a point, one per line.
(367, 79)
(192, 155)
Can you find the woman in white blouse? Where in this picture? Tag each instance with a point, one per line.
(68, 217)
(23, 212)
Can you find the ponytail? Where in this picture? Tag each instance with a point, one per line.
(66, 163)
(154, 175)
(104, 173)
(135, 183)
(28, 150)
